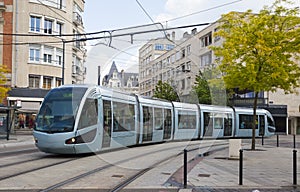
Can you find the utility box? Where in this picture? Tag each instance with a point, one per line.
(234, 148)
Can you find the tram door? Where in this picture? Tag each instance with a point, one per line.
(107, 123)
(167, 123)
(147, 123)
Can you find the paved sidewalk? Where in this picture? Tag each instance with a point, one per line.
(16, 139)
(268, 168)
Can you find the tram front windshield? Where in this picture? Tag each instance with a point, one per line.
(59, 109)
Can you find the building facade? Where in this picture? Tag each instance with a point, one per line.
(39, 45)
(191, 54)
(123, 81)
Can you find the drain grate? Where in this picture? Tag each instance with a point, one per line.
(117, 176)
(203, 175)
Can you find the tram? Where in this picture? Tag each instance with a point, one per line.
(76, 119)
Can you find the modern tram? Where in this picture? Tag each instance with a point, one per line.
(76, 119)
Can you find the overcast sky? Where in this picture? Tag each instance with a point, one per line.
(102, 15)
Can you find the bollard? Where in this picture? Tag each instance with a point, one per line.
(277, 140)
(295, 167)
(241, 168)
(185, 168)
(294, 141)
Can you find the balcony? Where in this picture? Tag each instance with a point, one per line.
(77, 19)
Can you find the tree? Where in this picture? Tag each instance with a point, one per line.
(3, 79)
(164, 90)
(201, 88)
(260, 51)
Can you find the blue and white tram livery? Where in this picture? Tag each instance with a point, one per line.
(75, 119)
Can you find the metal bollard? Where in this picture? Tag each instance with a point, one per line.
(277, 140)
(241, 168)
(295, 167)
(185, 168)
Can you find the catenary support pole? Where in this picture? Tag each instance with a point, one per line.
(241, 168)
(185, 168)
(295, 167)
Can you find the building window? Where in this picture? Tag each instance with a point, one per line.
(59, 57)
(47, 82)
(48, 25)
(34, 81)
(35, 23)
(48, 54)
(217, 38)
(47, 58)
(169, 47)
(34, 54)
(59, 28)
(206, 40)
(159, 47)
(188, 50)
(206, 59)
(58, 82)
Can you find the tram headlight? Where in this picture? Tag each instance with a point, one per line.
(71, 141)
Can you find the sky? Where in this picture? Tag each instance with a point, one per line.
(102, 15)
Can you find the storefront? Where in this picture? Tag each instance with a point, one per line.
(28, 102)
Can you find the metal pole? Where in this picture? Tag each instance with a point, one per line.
(241, 168)
(63, 64)
(8, 124)
(294, 141)
(185, 169)
(295, 167)
(277, 140)
(262, 140)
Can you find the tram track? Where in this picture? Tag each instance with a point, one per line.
(33, 169)
(131, 178)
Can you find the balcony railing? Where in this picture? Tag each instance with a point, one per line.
(77, 19)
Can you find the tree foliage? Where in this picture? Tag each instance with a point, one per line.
(260, 51)
(202, 90)
(3, 80)
(164, 90)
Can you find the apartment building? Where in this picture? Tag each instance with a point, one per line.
(39, 47)
(176, 62)
(180, 65)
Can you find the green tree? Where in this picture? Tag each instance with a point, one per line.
(201, 89)
(260, 51)
(3, 80)
(164, 90)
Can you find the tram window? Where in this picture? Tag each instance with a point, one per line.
(158, 118)
(207, 120)
(89, 115)
(261, 124)
(148, 122)
(186, 120)
(218, 121)
(123, 117)
(246, 121)
(228, 121)
(270, 122)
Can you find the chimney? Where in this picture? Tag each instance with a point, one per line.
(173, 36)
(194, 31)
